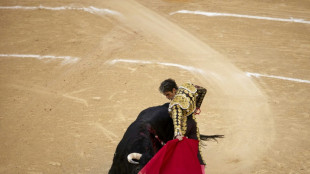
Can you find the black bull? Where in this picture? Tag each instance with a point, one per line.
(145, 136)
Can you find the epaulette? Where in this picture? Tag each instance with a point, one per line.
(181, 100)
(190, 87)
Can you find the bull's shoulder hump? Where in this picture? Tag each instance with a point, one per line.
(154, 111)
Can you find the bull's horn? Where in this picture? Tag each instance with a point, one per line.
(136, 156)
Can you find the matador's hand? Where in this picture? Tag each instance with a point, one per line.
(180, 137)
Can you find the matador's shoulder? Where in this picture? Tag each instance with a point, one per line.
(189, 87)
(181, 100)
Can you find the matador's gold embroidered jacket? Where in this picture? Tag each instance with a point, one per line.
(184, 103)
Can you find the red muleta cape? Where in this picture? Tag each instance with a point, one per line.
(176, 157)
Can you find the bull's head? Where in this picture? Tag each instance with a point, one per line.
(135, 156)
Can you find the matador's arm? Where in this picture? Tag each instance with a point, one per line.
(201, 91)
(176, 114)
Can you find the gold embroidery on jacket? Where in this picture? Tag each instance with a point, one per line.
(189, 87)
(181, 100)
(181, 106)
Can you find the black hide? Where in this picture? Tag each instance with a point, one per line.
(140, 138)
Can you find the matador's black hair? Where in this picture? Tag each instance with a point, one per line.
(167, 85)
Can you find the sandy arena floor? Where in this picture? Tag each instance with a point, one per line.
(75, 74)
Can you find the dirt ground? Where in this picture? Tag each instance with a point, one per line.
(67, 114)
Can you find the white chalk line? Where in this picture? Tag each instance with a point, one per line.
(110, 135)
(249, 74)
(77, 99)
(66, 59)
(89, 9)
(212, 14)
(188, 68)
(193, 69)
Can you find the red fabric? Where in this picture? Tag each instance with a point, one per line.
(176, 157)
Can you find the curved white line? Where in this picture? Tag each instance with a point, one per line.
(188, 68)
(66, 59)
(129, 61)
(249, 74)
(89, 9)
(211, 14)
(193, 69)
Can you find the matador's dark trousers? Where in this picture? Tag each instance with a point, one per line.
(192, 132)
